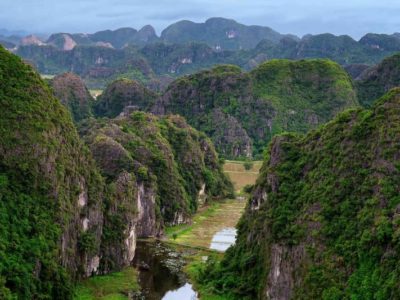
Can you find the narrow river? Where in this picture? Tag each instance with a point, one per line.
(161, 274)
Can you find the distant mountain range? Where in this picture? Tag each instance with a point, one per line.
(187, 47)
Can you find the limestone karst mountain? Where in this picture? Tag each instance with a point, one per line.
(242, 111)
(187, 47)
(69, 211)
(72, 92)
(378, 80)
(322, 221)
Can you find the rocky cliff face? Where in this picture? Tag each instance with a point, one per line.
(71, 90)
(219, 32)
(51, 191)
(322, 221)
(68, 211)
(129, 214)
(378, 80)
(252, 107)
(166, 154)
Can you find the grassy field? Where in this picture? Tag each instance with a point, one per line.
(95, 93)
(216, 215)
(208, 221)
(114, 286)
(47, 76)
(239, 175)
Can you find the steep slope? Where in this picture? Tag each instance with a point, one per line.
(72, 92)
(60, 219)
(118, 38)
(278, 96)
(97, 65)
(323, 218)
(123, 94)
(382, 42)
(371, 49)
(187, 47)
(7, 44)
(178, 59)
(63, 41)
(164, 151)
(219, 32)
(376, 81)
(51, 194)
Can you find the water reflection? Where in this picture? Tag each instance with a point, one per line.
(223, 239)
(185, 293)
(160, 273)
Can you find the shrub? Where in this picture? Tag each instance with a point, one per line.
(248, 165)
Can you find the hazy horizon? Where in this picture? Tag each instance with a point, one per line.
(354, 18)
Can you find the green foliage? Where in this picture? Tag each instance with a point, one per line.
(165, 152)
(248, 165)
(248, 188)
(106, 287)
(245, 110)
(41, 164)
(87, 242)
(72, 92)
(378, 80)
(122, 93)
(143, 173)
(333, 194)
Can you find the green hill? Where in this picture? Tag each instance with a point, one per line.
(48, 184)
(277, 96)
(68, 211)
(120, 94)
(72, 92)
(376, 81)
(323, 218)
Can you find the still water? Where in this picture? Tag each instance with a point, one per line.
(223, 239)
(160, 273)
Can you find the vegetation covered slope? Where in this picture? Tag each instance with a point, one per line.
(72, 92)
(120, 94)
(97, 65)
(378, 80)
(48, 184)
(187, 47)
(60, 220)
(323, 221)
(181, 160)
(224, 33)
(243, 110)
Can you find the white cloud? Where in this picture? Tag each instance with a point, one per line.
(354, 17)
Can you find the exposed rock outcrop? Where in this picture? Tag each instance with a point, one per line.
(32, 40)
(378, 80)
(241, 111)
(322, 221)
(166, 152)
(44, 162)
(68, 212)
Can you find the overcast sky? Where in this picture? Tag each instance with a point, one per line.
(353, 17)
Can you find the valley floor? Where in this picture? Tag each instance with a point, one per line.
(194, 238)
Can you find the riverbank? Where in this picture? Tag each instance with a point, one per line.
(115, 286)
(191, 242)
(206, 223)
